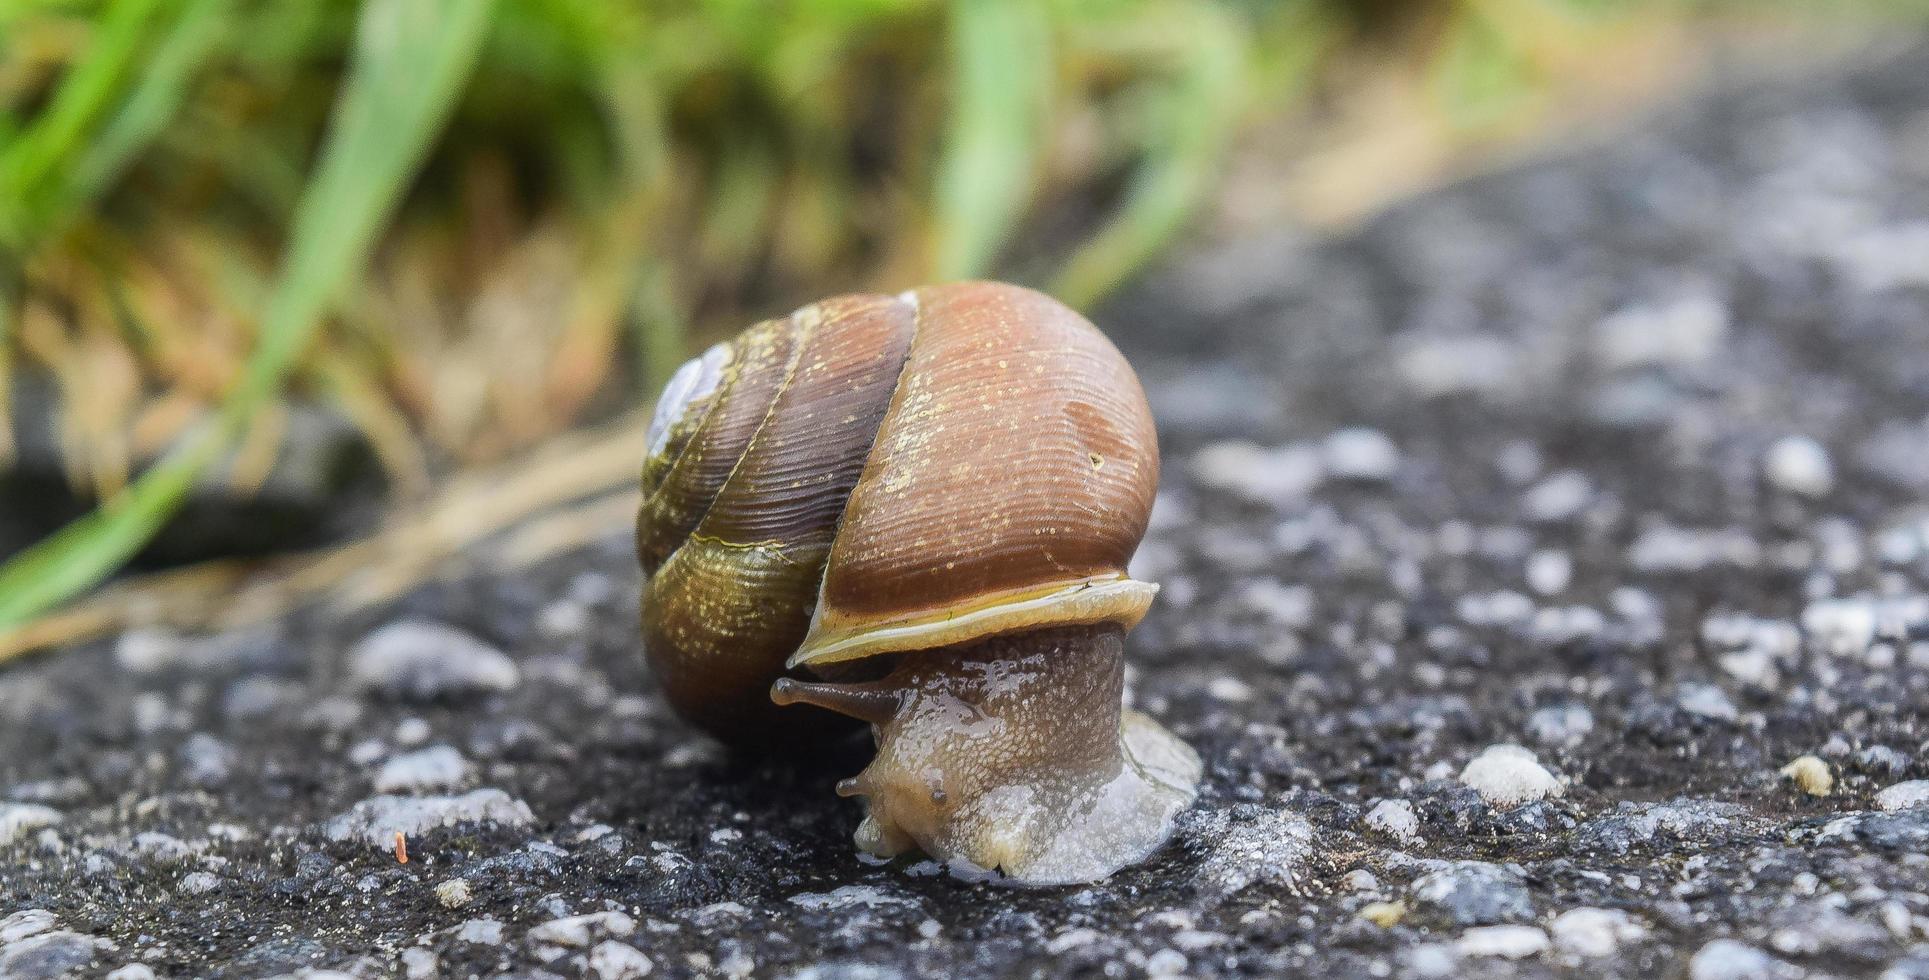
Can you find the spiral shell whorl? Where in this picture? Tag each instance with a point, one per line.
(735, 536)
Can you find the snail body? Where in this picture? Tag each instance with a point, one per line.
(916, 511)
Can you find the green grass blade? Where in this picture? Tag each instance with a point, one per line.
(193, 39)
(1193, 128)
(9, 299)
(55, 137)
(411, 58)
(1001, 70)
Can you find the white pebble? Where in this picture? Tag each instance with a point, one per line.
(132, 971)
(412, 731)
(425, 660)
(1360, 454)
(1433, 960)
(1800, 465)
(1457, 362)
(1566, 724)
(1267, 476)
(1679, 330)
(1166, 963)
(481, 932)
(576, 930)
(145, 651)
(611, 960)
(852, 896)
(436, 767)
(1904, 796)
(418, 962)
(1396, 819)
(1549, 572)
(1844, 627)
(1506, 775)
(1507, 942)
(1229, 689)
(1706, 701)
(1727, 959)
(1360, 880)
(199, 882)
(1560, 497)
(1590, 932)
(24, 923)
(18, 818)
(378, 819)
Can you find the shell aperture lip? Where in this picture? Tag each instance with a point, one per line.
(1101, 599)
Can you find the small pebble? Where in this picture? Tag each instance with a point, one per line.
(16, 819)
(376, 821)
(438, 767)
(411, 732)
(1727, 959)
(577, 930)
(1798, 464)
(1904, 796)
(1549, 572)
(480, 932)
(1506, 775)
(453, 893)
(1396, 819)
(418, 963)
(1360, 454)
(1166, 963)
(1258, 474)
(1474, 893)
(1591, 932)
(1706, 701)
(1560, 497)
(611, 960)
(423, 661)
(1561, 725)
(1506, 942)
(852, 896)
(1843, 627)
(24, 923)
(1360, 880)
(199, 882)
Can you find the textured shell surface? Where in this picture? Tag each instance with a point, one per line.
(1011, 481)
(883, 473)
(735, 534)
(692, 383)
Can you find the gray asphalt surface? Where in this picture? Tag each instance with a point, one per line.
(1513, 547)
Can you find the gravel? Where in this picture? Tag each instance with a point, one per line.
(1471, 893)
(1508, 775)
(1511, 547)
(425, 660)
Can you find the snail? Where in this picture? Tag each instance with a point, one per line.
(916, 511)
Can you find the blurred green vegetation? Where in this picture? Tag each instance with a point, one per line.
(465, 224)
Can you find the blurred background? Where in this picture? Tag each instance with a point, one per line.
(362, 282)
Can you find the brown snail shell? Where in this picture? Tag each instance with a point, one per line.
(938, 490)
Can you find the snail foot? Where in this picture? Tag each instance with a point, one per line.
(1014, 754)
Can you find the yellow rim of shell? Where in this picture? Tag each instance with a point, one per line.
(1102, 599)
